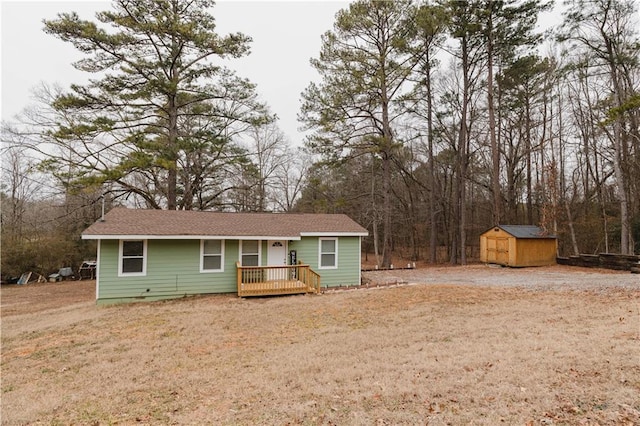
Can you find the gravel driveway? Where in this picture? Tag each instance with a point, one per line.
(558, 277)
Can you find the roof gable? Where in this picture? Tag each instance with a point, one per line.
(525, 231)
(122, 222)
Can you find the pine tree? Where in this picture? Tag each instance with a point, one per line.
(364, 64)
(157, 99)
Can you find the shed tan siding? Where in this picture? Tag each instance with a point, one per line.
(535, 252)
(499, 247)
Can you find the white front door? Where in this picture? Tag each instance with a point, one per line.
(276, 256)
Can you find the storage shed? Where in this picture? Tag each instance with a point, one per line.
(518, 246)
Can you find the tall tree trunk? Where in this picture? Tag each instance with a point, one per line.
(625, 222)
(462, 156)
(572, 231)
(529, 149)
(172, 173)
(376, 245)
(172, 110)
(386, 213)
(387, 154)
(615, 46)
(432, 168)
(619, 160)
(495, 152)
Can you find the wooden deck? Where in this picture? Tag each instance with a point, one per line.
(276, 280)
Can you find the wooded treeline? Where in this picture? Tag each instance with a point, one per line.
(430, 123)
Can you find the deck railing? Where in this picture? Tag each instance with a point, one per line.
(272, 280)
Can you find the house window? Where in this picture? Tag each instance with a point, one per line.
(133, 257)
(250, 253)
(328, 253)
(212, 256)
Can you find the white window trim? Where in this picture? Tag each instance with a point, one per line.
(240, 253)
(144, 260)
(205, 271)
(320, 240)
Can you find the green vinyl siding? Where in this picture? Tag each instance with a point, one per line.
(348, 270)
(173, 270)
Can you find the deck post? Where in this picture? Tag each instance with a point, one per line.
(239, 277)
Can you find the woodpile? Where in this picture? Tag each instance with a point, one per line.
(620, 262)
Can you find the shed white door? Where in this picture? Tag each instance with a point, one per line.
(277, 256)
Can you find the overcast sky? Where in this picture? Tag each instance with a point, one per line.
(286, 34)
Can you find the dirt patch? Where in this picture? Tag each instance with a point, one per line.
(472, 345)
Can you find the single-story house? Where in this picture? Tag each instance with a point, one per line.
(162, 254)
(518, 246)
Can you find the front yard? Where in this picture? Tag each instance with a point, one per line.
(470, 345)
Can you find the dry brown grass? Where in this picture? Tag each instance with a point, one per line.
(433, 354)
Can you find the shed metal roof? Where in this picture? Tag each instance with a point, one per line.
(123, 222)
(525, 231)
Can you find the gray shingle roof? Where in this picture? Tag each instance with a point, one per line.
(525, 231)
(172, 223)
